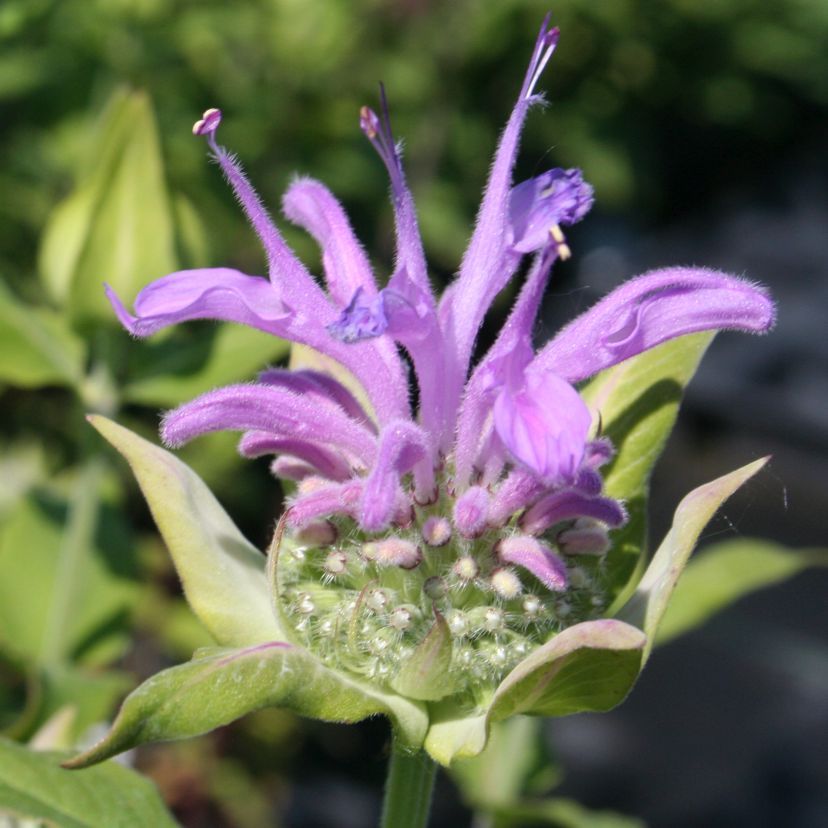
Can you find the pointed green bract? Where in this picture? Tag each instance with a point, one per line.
(648, 604)
(117, 225)
(638, 401)
(34, 786)
(220, 686)
(726, 572)
(425, 675)
(222, 573)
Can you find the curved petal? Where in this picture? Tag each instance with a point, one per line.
(569, 504)
(652, 309)
(544, 424)
(324, 462)
(207, 293)
(535, 557)
(275, 410)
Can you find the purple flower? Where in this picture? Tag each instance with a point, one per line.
(506, 443)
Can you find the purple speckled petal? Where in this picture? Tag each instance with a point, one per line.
(325, 462)
(569, 504)
(544, 424)
(209, 293)
(652, 309)
(275, 410)
(535, 557)
(402, 446)
(489, 262)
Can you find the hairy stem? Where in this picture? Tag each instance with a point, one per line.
(408, 789)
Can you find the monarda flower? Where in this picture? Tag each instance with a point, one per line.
(446, 554)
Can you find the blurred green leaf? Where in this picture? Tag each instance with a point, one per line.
(219, 686)
(171, 371)
(638, 401)
(560, 813)
(32, 785)
(222, 573)
(37, 347)
(726, 572)
(647, 606)
(117, 224)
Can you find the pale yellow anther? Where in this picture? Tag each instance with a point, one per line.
(557, 234)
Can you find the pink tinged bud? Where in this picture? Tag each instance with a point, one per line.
(466, 568)
(591, 540)
(336, 563)
(544, 425)
(570, 504)
(471, 512)
(535, 557)
(393, 552)
(437, 531)
(506, 584)
(318, 533)
(208, 123)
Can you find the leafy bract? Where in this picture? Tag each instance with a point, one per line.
(37, 348)
(648, 603)
(726, 572)
(222, 685)
(638, 401)
(588, 667)
(426, 674)
(117, 225)
(34, 786)
(222, 573)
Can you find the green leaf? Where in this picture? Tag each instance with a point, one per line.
(34, 786)
(648, 603)
(222, 573)
(587, 667)
(219, 687)
(638, 401)
(67, 585)
(116, 226)
(560, 813)
(425, 675)
(172, 371)
(726, 572)
(36, 346)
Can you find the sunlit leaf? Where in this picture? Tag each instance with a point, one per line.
(34, 786)
(220, 686)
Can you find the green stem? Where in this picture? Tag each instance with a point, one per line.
(408, 789)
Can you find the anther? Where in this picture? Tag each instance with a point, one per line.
(208, 123)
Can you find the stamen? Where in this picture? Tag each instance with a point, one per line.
(544, 47)
(208, 123)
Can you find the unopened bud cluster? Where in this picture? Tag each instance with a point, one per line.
(364, 602)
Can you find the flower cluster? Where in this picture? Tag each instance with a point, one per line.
(461, 536)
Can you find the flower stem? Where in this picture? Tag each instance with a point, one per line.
(408, 789)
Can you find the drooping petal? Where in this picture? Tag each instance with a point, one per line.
(275, 410)
(337, 499)
(652, 309)
(208, 293)
(520, 489)
(544, 424)
(570, 504)
(488, 262)
(402, 447)
(323, 386)
(535, 557)
(325, 462)
(539, 205)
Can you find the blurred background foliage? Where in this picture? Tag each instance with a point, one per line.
(668, 107)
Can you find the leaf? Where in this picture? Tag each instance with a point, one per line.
(217, 688)
(648, 603)
(560, 813)
(34, 786)
(222, 573)
(116, 226)
(587, 667)
(36, 346)
(726, 572)
(172, 371)
(425, 675)
(638, 401)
